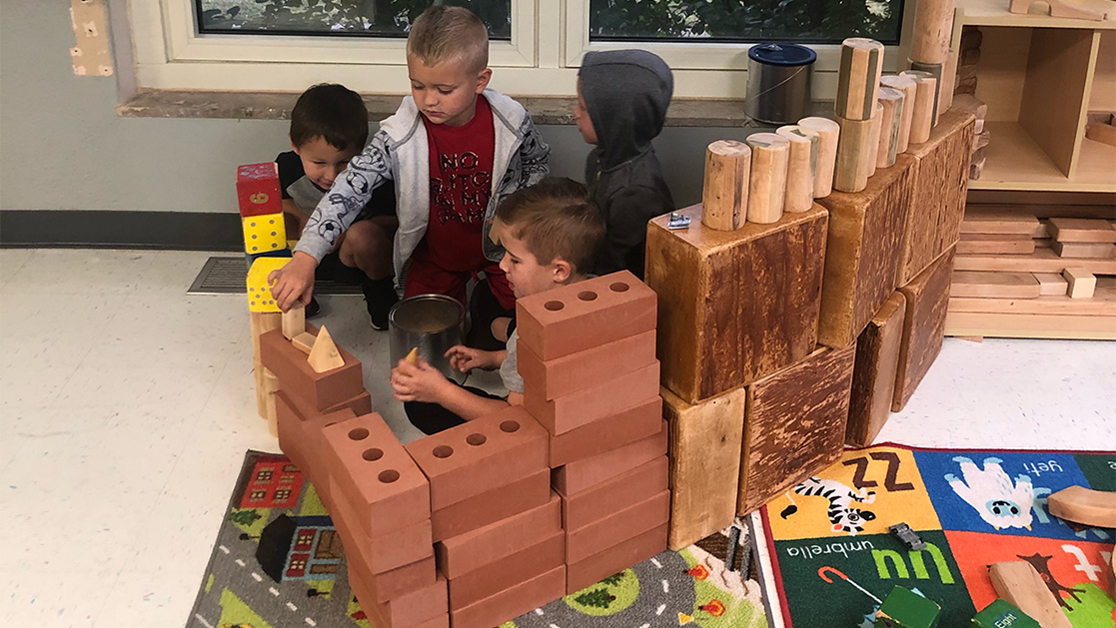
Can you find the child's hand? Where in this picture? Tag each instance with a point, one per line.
(293, 282)
(417, 382)
(464, 359)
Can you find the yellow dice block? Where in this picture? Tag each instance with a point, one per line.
(264, 234)
(259, 291)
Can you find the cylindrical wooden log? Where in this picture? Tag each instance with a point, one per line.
(271, 386)
(874, 139)
(922, 118)
(802, 166)
(724, 199)
(909, 88)
(935, 70)
(933, 27)
(851, 171)
(892, 101)
(767, 186)
(828, 133)
(261, 322)
(858, 78)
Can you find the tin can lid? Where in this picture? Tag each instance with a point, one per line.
(782, 54)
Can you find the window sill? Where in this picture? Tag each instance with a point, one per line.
(277, 106)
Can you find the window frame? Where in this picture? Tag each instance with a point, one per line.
(549, 39)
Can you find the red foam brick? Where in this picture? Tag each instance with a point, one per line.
(378, 554)
(607, 434)
(299, 381)
(481, 455)
(627, 489)
(409, 610)
(578, 475)
(585, 315)
(501, 503)
(586, 369)
(376, 475)
(508, 571)
(513, 602)
(610, 397)
(360, 404)
(617, 528)
(301, 439)
(617, 558)
(467, 552)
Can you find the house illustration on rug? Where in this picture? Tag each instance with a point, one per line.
(275, 483)
(300, 548)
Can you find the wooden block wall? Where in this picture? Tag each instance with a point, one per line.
(877, 361)
(924, 327)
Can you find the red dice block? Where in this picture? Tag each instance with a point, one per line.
(257, 189)
(481, 455)
(584, 315)
(578, 475)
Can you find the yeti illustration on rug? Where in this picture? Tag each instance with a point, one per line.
(999, 501)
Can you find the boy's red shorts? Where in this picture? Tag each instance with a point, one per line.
(425, 277)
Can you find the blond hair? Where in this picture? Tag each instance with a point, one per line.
(443, 32)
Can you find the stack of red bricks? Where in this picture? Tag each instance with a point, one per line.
(586, 353)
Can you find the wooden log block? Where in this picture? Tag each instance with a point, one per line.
(1085, 506)
(933, 28)
(949, 79)
(989, 219)
(1081, 230)
(1051, 284)
(909, 87)
(1101, 306)
(294, 321)
(705, 441)
(935, 70)
(1020, 584)
(877, 361)
(721, 326)
(941, 184)
(863, 252)
(923, 328)
(968, 283)
(802, 164)
(850, 173)
(794, 425)
(995, 244)
(858, 78)
(1086, 250)
(891, 101)
(1082, 283)
(874, 139)
(828, 136)
(261, 323)
(922, 116)
(724, 198)
(767, 185)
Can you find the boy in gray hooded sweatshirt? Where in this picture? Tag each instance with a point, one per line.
(622, 99)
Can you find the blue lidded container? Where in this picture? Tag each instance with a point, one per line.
(780, 76)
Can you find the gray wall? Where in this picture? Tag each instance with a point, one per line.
(63, 147)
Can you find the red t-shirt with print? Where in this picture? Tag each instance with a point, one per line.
(460, 186)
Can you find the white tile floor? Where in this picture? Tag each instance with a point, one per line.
(126, 407)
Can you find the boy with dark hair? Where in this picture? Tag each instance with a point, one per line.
(622, 99)
(454, 149)
(329, 126)
(550, 233)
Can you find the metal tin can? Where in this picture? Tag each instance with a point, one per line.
(432, 323)
(779, 82)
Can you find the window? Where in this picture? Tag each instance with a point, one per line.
(536, 48)
(264, 476)
(282, 494)
(257, 495)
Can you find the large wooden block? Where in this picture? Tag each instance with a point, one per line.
(977, 284)
(995, 244)
(863, 246)
(705, 442)
(877, 359)
(735, 306)
(794, 425)
(1081, 230)
(924, 327)
(990, 219)
(941, 182)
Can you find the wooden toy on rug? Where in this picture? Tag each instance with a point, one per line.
(1020, 584)
(1085, 506)
(1001, 614)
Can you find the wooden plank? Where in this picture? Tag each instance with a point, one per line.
(1054, 92)
(934, 220)
(1085, 250)
(995, 244)
(1103, 302)
(992, 325)
(1081, 230)
(1043, 243)
(1044, 204)
(1051, 284)
(794, 425)
(1082, 505)
(923, 327)
(705, 442)
(735, 306)
(1082, 283)
(978, 284)
(877, 360)
(1020, 584)
(1041, 261)
(863, 247)
(998, 219)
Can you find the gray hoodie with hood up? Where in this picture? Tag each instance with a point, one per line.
(626, 93)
